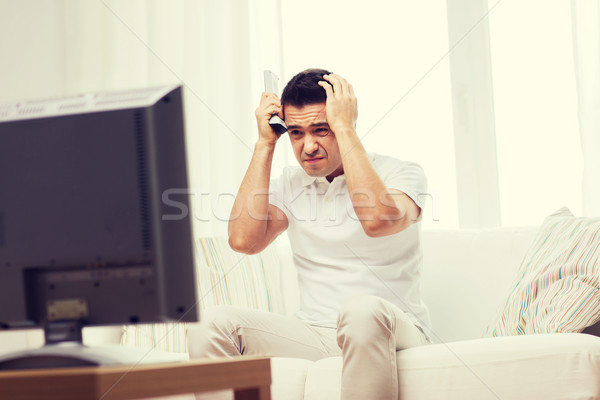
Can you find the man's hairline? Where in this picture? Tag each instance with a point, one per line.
(303, 105)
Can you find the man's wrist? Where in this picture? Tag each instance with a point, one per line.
(346, 136)
(264, 144)
(344, 131)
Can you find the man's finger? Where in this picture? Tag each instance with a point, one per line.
(335, 82)
(351, 90)
(270, 96)
(343, 83)
(328, 88)
(272, 108)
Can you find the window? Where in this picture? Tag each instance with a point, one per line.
(393, 53)
(537, 132)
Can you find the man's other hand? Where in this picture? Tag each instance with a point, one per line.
(269, 105)
(341, 106)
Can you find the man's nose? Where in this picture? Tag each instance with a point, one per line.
(310, 144)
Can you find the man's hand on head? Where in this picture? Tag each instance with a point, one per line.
(269, 105)
(341, 105)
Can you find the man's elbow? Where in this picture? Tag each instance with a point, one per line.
(244, 245)
(379, 227)
(375, 229)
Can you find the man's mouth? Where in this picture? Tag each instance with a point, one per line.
(313, 160)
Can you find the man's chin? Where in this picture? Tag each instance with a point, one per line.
(314, 168)
(314, 173)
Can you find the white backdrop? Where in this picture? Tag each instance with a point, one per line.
(539, 157)
(586, 43)
(217, 50)
(396, 53)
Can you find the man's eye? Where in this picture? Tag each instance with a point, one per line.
(321, 132)
(295, 133)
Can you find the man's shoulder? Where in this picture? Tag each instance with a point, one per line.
(292, 172)
(389, 162)
(292, 176)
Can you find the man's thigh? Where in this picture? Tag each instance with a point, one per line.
(365, 317)
(227, 330)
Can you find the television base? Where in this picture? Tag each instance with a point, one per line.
(64, 349)
(73, 354)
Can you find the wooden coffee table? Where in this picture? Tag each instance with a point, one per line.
(250, 378)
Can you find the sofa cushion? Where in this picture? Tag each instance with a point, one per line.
(224, 278)
(289, 378)
(558, 284)
(549, 366)
(465, 276)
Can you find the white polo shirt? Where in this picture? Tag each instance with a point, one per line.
(335, 259)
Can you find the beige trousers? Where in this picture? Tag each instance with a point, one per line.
(370, 331)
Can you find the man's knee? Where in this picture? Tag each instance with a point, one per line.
(362, 309)
(206, 338)
(361, 318)
(213, 319)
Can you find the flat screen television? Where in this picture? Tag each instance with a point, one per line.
(89, 234)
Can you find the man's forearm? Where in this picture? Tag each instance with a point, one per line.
(374, 206)
(248, 220)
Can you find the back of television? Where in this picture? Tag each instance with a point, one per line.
(83, 238)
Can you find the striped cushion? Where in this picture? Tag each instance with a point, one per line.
(558, 285)
(227, 277)
(165, 337)
(224, 278)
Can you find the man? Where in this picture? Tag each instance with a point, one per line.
(352, 220)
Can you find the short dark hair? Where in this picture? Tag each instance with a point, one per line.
(304, 89)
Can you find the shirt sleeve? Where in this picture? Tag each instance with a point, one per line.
(277, 195)
(408, 177)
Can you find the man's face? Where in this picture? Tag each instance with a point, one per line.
(315, 146)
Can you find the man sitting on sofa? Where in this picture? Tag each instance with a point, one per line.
(353, 222)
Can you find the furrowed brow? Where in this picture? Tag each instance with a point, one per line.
(317, 124)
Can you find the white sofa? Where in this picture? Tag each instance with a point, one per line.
(466, 275)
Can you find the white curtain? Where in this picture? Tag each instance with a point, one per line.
(216, 49)
(586, 46)
(473, 106)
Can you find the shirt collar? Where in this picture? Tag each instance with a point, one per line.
(308, 180)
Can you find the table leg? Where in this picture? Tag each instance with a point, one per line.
(260, 393)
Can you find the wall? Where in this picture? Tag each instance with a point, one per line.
(32, 49)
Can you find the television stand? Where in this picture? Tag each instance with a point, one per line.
(64, 348)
